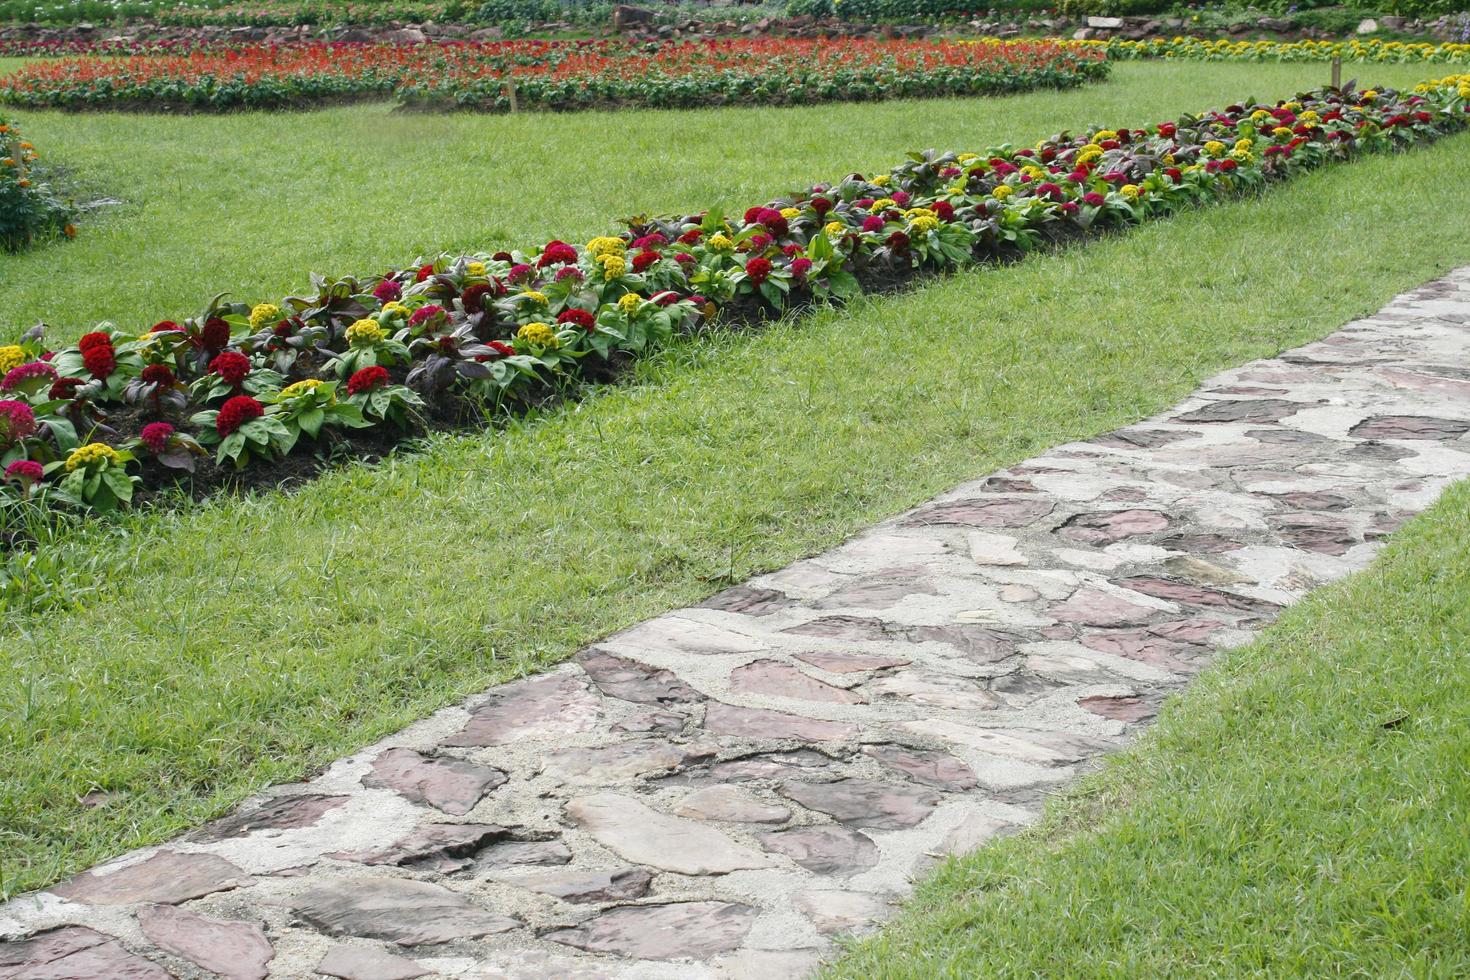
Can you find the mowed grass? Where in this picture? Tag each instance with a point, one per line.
(254, 202)
(1301, 811)
(203, 653)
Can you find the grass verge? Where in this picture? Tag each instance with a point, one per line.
(253, 202)
(209, 651)
(1300, 811)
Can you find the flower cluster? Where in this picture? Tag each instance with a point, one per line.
(509, 328)
(1355, 49)
(29, 208)
(502, 75)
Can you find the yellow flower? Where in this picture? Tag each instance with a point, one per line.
(365, 333)
(394, 308)
(475, 269)
(534, 296)
(606, 245)
(1370, 93)
(834, 229)
(1034, 172)
(882, 180)
(1214, 148)
(1242, 145)
(1310, 118)
(1104, 134)
(90, 453)
(301, 388)
(1242, 156)
(1259, 115)
(923, 225)
(11, 356)
(966, 157)
(1281, 131)
(1088, 153)
(1002, 192)
(790, 213)
(538, 334)
(1169, 158)
(630, 303)
(883, 204)
(913, 213)
(1129, 191)
(613, 266)
(264, 314)
(720, 243)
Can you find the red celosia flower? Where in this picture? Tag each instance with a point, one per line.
(473, 298)
(691, 236)
(773, 221)
(425, 271)
(504, 350)
(758, 242)
(685, 259)
(900, 198)
(64, 389)
(236, 412)
(155, 436)
(17, 421)
(1167, 130)
(1049, 191)
(821, 205)
(231, 365)
(569, 272)
(166, 326)
(556, 253)
(23, 373)
(100, 359)
(423, 313)
(93, 339)
(943, 210)
(873, 222)
(800, 267)
(753, 215)
(581, 318)
(666, 298)
(215, 334)
(158, 374)
(25, 472)
(366, 379)
(502, 257)
(863, 203)
(650, 242)
(1094, 198)
(643, 260)
(1070, 207)
(898, 242)
(1228, 165)
(1174, 173)
(757, 270)
(387, 291)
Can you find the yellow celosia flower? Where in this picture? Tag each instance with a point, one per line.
(1214, 148)
(613, 266)
(534, 296)
(394, 308)
(883, 204)
(966, 157)
(606, 245)
(475, 269)
(90, 453)
(1002, 192)
(720, 243)
(264, 314)
(630, 303)
(790, 213)
(882, 180)
(537, 333)
(834, 229)
(1243, 144)
(11, 356)
(301, 387)
(1129, 191)
(365, 333)
(923, 225)
(1281, 131)
(1104, 134)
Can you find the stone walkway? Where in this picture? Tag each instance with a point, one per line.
(720, 791)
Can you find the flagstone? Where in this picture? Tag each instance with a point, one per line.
(368, 963)
(824, 849)
(233, 950)
(783, 680)
(448, 784)
(552, 705)
(400, 910)
(166, 878)
(638, 833)
(696, 930)
(74, 953)
(867, 803)
(730, 804)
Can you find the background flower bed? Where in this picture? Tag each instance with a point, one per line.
(1353, 50)
(30, 210)
(448, 337)
(499, 76)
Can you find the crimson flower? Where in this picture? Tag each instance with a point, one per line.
(581, 318)
(757, 270)
(943, 210)
(387, 291)
(158, 374)
(873, 222)
(366, 379)
(155, 436)
(473, 298)
(800, 267)
(25, 472)
(1094, 198)
(643, 260)
(236, 412)
(425, 271)
(100, 359)
(231, 365)
(215, 334)
(556, 253)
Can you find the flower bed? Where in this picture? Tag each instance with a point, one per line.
(29, 208)
(1203, 49)
(357, 363)
(501, 76)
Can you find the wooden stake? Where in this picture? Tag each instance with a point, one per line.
(1337, 73)
(510, 93)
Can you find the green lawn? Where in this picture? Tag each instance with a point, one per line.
(1301, 811)
(254, 202)
(199, 654)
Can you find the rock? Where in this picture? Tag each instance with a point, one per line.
(399, 910)
(768, 964)
(441, 847)
(1093, 607)
(677, 635)
(730, 719)
(879, 591)
(167, 878)
(783, 680)
(625, 17)
(1201, 543)
(1105, 23)
(1189, 567)
(978, 643)
(856, 628)
(234, 950)
(1143, 438)
(697, 930)
(74, 953)
(835, 911)
(1256, 410)
(1037, 748)
(864, 802)
(1367, 26)
(645, 836)
(974, 831)
(935, 769)
(622, 761)
(750, 600)
(937, 690)
(1114, 525)
(516, 853)
(368, 963)
(850, 663)
(1118, 708)
(731, 804)
(620, 677)
(281, 813)
(407, 35)
(591, 886)
(982, 512)
(1310, 532)
(652, 721)
(824, 849)
(451, 785)
(994, 549)
(549, 705)
(1409, 427)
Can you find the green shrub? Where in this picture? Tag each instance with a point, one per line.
(29, 210)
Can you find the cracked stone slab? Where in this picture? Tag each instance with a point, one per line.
(720, 791)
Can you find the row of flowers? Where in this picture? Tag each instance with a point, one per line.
(250, 383)
(1355, 50)
(30, 210)
(504, 75)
